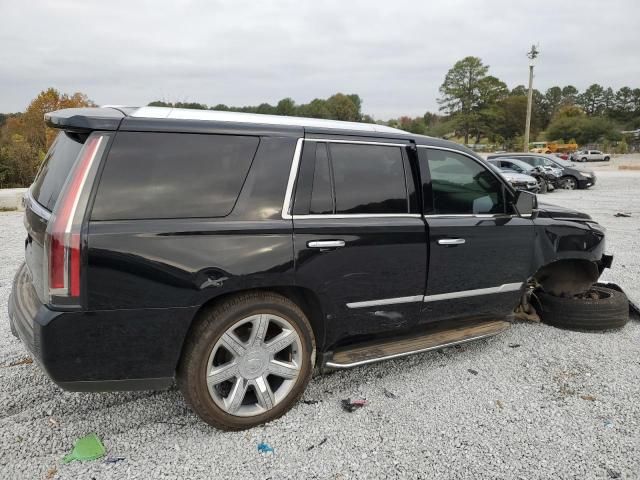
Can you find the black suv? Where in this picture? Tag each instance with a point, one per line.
(235, 252)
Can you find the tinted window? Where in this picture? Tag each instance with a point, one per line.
(368, 179)
(461, 185)
(55, 168)
(172, 175)
(321, 199)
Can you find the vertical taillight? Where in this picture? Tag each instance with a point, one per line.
(64, 231)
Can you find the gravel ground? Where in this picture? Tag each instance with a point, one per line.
(535, 402)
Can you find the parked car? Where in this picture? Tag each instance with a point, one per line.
(570, 176)
(518, 181)
(236, 252)
(562, 155)
(546, 179)
(590, 156)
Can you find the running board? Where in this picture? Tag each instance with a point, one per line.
(437, 337)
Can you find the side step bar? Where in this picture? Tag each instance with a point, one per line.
(437, 337)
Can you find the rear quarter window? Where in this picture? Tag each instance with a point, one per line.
(55, 169)
(172, 175)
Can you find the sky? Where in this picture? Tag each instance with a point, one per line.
(394, 54)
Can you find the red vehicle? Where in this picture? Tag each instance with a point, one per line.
(563, 156)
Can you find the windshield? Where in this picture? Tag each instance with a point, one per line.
(519, 163)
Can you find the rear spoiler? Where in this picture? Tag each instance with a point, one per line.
(87, 119)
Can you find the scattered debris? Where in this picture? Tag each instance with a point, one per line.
(591, 398)
(264, 447)
(514, 345)
(472, 371)
(349, 405)
(613, 473)
(111, 459)
(608, 423)
(310, 402)
(499, 404)
(314, 446)
(53, 422)
(389, 394)
(22, 361)
(622, 214)
(86, 448)
(51, 473)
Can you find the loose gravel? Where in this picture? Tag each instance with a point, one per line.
(535, 402)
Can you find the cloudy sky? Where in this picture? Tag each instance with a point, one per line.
(394, 54)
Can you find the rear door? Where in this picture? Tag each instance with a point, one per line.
(480, 252)
(359, 238)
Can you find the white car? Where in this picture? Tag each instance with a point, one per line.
(590, 156)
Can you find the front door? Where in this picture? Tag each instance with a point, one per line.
(359, 238)
(480, 252)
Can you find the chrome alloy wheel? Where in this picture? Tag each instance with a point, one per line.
(254, 365)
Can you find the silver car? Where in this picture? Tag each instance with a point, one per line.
(590, 156)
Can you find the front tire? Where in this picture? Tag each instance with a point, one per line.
(568, 183)
(583, 159)
(606, 159)
(609, 310)
(247, 361)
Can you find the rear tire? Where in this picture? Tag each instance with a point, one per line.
(609, 311)
(265, 394)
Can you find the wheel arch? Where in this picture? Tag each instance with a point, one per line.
(567, 276)
(304, 298)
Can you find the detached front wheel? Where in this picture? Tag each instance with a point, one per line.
(598, 309)
(247, 361)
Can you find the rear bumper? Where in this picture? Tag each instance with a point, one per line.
(99, 350)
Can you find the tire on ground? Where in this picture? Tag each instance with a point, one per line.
(207, 330)
(610, 311)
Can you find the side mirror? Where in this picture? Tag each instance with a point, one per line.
(525, 202)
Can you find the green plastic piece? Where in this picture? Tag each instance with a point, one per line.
(86, 448)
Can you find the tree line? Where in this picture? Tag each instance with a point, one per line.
(474, 107)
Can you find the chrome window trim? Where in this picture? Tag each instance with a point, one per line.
(293, 175)
(505, 287)
(339, 216)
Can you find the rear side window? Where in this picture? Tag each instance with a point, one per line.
(368, 179)
(172, 175)
(55, 169)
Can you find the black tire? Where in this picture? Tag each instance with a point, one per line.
(608, 312)
(606, 159)
(542, 185)
(583, 159)
(569, 182)
(208, 329)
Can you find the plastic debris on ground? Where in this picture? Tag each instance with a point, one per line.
(314, 446)
(111, 459)
(264, 447)
(514, 345)
(472, 371)
(622, 214)
(86, 448)
(389, 394)
(349, 405)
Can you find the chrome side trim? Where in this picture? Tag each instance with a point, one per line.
(293, 173)
(385, 301)
(506, 287)
(36, 207)
(412, 352)
(326, 244)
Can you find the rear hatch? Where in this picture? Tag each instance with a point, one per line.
(56, 202)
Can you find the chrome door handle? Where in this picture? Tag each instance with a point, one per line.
(326, 244)
(451, 241)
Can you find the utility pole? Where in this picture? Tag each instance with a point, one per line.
(532, 54)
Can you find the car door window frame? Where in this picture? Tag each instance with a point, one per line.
(428, 192)
(289, 210)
